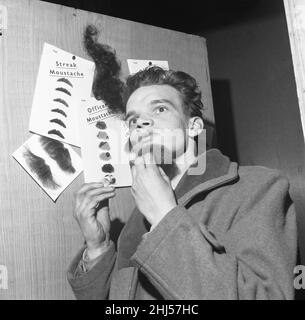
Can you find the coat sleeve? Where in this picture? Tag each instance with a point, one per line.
(94, 284)
(253, 260)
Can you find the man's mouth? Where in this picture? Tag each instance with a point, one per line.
(144, 144)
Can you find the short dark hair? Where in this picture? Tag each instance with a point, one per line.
(184, 83)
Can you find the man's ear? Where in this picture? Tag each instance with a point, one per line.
(195, 127)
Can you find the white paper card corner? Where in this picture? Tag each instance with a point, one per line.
(135, 65)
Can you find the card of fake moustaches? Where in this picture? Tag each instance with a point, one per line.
(63, 80)
(52, 164)
(104, 144)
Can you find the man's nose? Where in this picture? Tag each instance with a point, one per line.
(144, 123)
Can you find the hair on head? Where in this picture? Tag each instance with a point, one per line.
(184, 83)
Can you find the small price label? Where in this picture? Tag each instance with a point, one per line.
(3, 18)
(138, 65)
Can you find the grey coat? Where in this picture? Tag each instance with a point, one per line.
(232, 236)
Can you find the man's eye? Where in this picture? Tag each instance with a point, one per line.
(161, 109)
(132, 121)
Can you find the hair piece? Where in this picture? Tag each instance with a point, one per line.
(104, 145)
(107, 85)
(108, 168)
(59, 122)
(63, 90)
(101, 125)
(65, 81)
(42, 171)
(103, 135)
(60, 112)
(110, 178)
(105, 156)
(62, 101)
(57, 133)
(59, 153)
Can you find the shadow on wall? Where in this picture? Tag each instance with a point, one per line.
(225, 128)
(226, 136)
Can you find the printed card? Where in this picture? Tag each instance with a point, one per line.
(63, 80)
(104, 144)
(52, 164)
(136, 65)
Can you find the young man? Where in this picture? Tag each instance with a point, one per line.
(226, 233)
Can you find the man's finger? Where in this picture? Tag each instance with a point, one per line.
(163, 174)
(142, 146)
(89, 186)
(139, 164)
(97, 191)
(150, 162)
(94, 201)
(148, 159)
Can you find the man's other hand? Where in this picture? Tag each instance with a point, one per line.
(91, 201)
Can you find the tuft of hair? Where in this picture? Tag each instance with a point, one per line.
(107, 85)
(184, 83)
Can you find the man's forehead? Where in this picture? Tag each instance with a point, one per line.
(152, 95)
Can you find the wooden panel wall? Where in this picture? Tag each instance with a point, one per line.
(295, 16)
(37, 237)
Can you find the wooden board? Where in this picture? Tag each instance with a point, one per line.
(37, 237)
(295, 14)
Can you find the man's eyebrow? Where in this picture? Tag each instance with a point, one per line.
(129, 114)
(157, 101)
(153, 102)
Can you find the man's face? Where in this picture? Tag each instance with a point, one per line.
(156, 121)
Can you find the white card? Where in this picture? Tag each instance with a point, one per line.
(63, 80)
(104, 144)
(136, 65)
(52, 164)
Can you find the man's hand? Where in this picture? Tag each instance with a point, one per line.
(96, 232)
(151, 189)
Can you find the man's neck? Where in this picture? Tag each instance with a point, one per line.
(180, 165)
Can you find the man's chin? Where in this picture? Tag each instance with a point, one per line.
(160, 154)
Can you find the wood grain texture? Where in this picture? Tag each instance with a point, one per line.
(295, 14)
(38, 238)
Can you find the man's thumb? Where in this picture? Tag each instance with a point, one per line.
(164, 175)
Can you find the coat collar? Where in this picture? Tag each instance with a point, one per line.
(219, 171)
